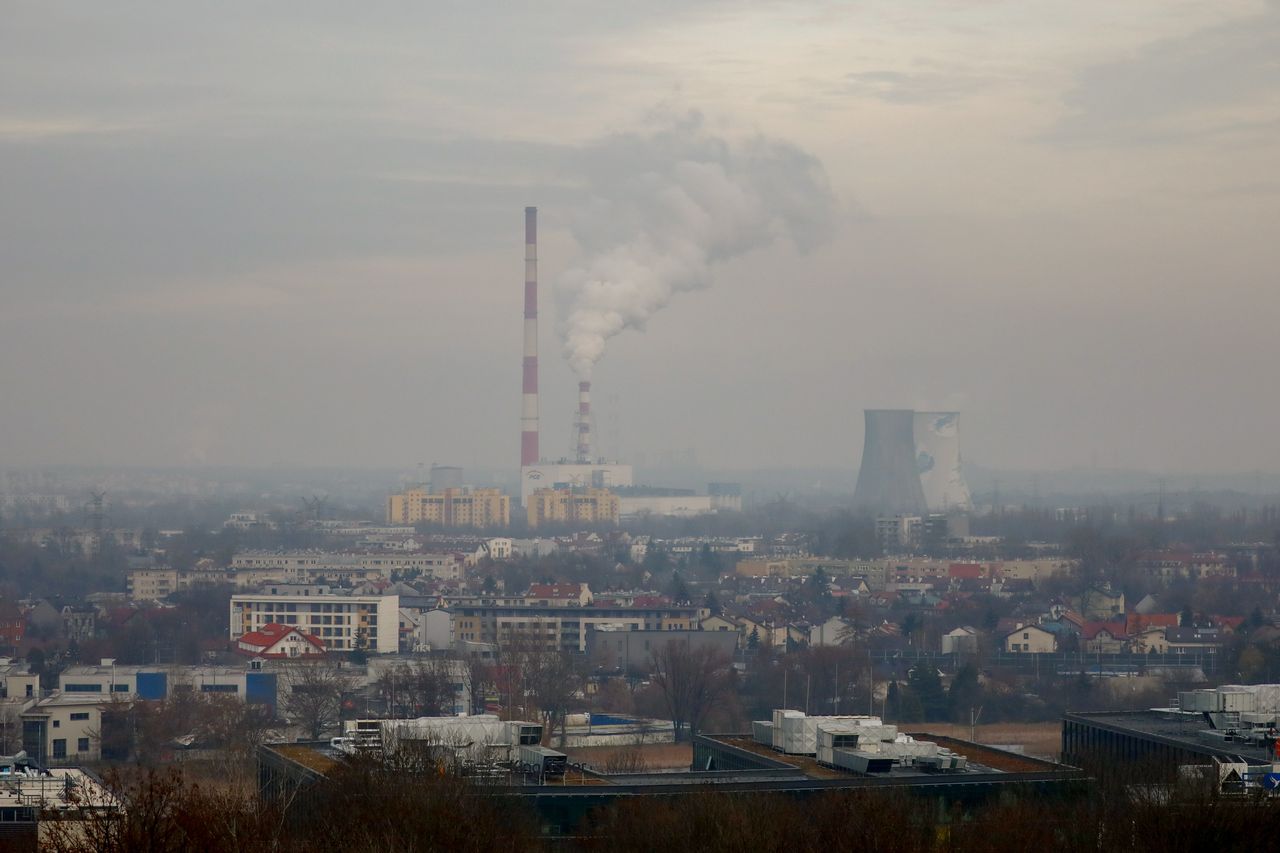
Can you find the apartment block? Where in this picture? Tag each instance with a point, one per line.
(337, 620)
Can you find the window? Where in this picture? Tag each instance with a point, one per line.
(60, 747)
(72, 687)
(80, 715)
(57, 724)
(121, 688)
(82, 745)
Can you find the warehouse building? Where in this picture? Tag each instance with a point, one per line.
(1228, 725)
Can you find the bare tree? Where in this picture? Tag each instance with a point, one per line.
(693, 682)
(421, 688)
(547, 679)
(314, 694)
(10, 726)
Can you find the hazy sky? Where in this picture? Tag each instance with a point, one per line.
(291, 233)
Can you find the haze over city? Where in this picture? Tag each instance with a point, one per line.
(290, 233)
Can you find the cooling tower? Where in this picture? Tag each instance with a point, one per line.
(888, 481)
(938, 461)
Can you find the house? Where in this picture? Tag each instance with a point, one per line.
(1104, 638)
(13, 625)
(1150, 640)
(1136, 623)
(832, 632)
(766, 631)
(1191, 639)
(1100, 603)
(958, 641)
(718, 623)
(274, 640)
(1030, 639)
(79, 623)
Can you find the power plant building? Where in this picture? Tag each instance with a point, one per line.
(573, 475)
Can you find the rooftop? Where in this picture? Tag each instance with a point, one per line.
(1182, 728)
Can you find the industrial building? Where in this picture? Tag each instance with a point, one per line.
(339, 621)
(573, 475)
(34, 793)
(1233, 727)
(452, 507)
(573, 506)
(844, 753)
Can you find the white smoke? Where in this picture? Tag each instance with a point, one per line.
(666, 207)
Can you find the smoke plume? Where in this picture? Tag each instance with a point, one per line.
(666, 207)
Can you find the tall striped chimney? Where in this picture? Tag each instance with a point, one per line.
(584, 421)
(529, 408)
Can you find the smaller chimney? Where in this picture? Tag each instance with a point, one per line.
(584, 422)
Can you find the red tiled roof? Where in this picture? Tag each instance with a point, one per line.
(971, 571)
(270, 634)
(1092, 629)
(1136, 622)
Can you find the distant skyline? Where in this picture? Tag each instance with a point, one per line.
(290, 234)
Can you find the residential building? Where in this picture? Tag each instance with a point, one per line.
(341, 622)
(79, 623)
(1030, 639)
(833, 632)
(573, 506)
(899, 532)
(308, 566)
(960, 641)
(453, 507)
(13, 625)
(562, 628)
(274, 640)
(151, 584)
(1100, 603)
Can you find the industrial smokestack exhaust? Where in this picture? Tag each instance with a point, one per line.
(584, 422)
(529, 409)
(937, 437)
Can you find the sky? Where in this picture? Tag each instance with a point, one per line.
(291, 233)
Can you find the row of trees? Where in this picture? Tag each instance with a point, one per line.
(367, 806)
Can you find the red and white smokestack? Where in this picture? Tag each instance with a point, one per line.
(584, 421)
(529, 408)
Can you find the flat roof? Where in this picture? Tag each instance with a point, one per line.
(981, 759)
(1178, 728)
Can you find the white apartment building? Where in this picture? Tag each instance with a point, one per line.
(337, 620)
